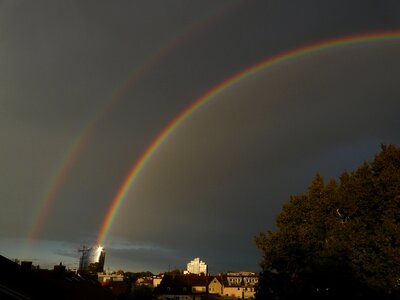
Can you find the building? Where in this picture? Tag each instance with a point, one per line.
(157, 280)
(196, 266)
(92, 260)
(215, 286)
(104, 279)
(183, 287)
(240, 285)
(116, 283)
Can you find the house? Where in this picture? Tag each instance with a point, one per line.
(215, 286)
(145, 281)
(183, 287)
(116, 283)
(241, 285)
(157, 280)
(105, 279)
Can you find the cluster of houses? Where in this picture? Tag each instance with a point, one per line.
(240, 285)
(195, 284)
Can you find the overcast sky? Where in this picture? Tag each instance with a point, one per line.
(224, 174)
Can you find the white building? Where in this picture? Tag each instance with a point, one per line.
(196, 266)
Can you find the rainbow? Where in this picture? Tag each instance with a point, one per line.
(72, 153)
(211, 94)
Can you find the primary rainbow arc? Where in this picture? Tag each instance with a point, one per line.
(130, 179)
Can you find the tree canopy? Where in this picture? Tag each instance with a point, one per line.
(339, 239)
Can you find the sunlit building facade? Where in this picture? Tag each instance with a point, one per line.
(92, 259)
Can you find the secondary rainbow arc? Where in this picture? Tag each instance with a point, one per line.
(71, 155)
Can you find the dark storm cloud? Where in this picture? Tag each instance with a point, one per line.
(223, 176)
(145, 257)
(254, 146)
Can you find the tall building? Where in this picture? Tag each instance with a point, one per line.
(92, 260)
(196, 266)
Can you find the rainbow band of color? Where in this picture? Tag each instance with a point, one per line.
(129, 181)
(73, 152)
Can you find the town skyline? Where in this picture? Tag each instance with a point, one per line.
(76, 264)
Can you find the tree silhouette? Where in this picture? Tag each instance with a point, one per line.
(339, 239)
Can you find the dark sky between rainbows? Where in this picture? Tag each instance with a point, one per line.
(221, 177)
